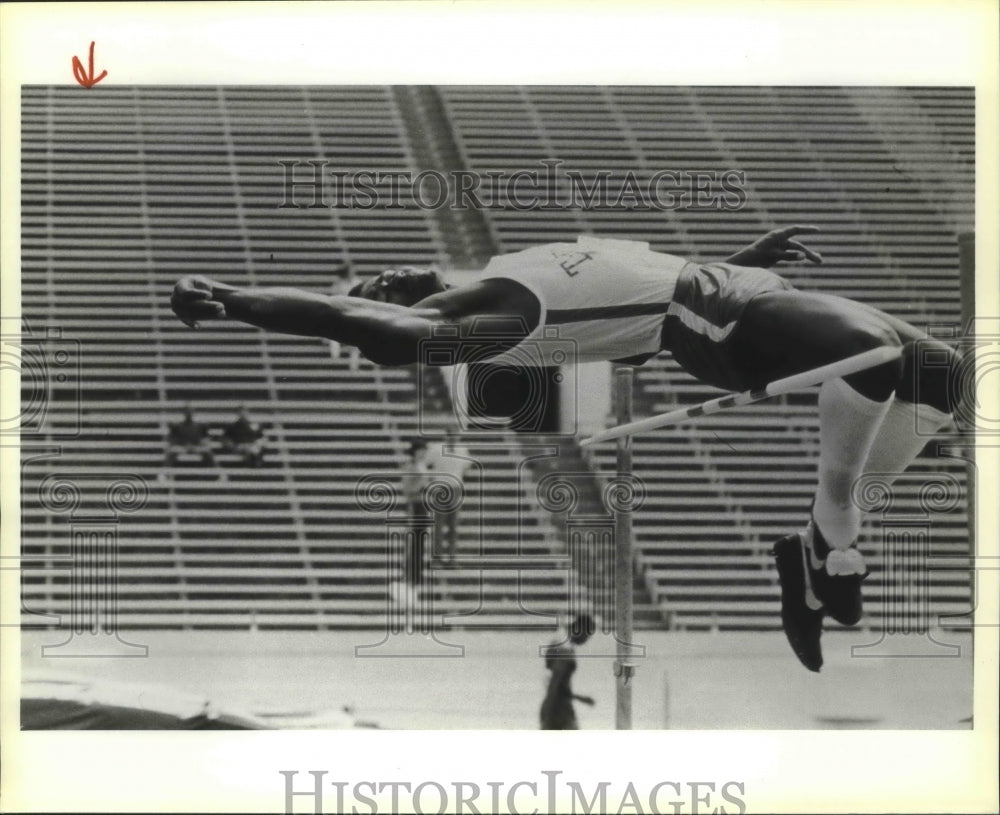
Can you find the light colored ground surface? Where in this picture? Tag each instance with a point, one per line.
(686, 681)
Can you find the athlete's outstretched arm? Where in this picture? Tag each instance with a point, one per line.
(369, 325)
(386, 333)
(777, 246)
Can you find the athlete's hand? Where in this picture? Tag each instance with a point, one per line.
(194, 299)
(778, 246)
(587, 700)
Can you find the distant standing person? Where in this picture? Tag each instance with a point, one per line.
(448, 458)
(416, 479)
(557, 711)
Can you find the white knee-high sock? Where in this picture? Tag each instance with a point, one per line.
(848, 425)
(904, 431)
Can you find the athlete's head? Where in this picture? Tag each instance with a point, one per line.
(403, 286)
(581, 629)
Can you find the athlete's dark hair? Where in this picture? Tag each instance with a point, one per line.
(582, 625)
(355, 290)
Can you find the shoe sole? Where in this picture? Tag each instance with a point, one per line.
(803, 625)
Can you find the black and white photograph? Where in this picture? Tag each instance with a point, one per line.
(357, 410)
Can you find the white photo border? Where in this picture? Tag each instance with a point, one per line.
(671, 43)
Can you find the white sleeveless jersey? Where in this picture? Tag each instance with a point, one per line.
(601, 299)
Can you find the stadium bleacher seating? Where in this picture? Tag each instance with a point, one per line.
(126, 189)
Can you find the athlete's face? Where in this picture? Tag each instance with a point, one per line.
(403, 286)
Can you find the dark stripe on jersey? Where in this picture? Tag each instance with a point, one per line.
(558, 316)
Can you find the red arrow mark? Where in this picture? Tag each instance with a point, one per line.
(88, 80)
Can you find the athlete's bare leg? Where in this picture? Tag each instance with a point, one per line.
(789, 331)
(786, 332)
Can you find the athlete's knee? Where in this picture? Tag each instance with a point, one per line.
(865, 336)
(931, 375)
(876, 383)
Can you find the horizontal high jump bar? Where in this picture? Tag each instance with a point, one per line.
(814, 376)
